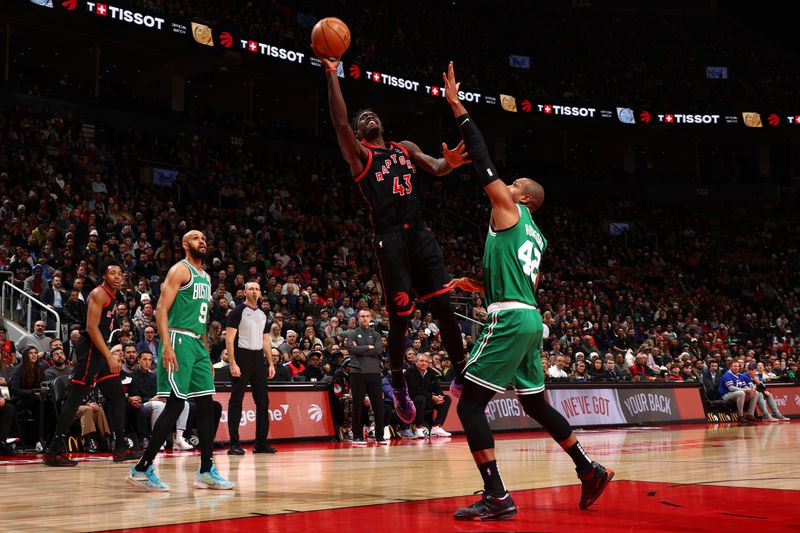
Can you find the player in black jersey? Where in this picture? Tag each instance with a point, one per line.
(95, 364)
(409, 258)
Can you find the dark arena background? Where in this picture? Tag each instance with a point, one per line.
(665, 135)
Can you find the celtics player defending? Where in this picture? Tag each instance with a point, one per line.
(185, 371)
(509, 347)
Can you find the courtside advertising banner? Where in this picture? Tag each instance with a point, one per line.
(606, 406)
(292, 415)
(787, 398)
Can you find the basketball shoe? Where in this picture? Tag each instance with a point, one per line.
(593, 483)
(212, 480)
(488, 508)
(147, 480)
(403, 406)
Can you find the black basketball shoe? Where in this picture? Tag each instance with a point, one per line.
(488, 508)
(594, 482)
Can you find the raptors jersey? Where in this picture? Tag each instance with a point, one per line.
(388, 185)
(108, 315)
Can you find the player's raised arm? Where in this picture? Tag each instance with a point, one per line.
(177, 276)
(504, 210)
(353, 151)
(438, 167)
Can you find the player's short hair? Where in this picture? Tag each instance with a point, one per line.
(108, 263)
(357, 116)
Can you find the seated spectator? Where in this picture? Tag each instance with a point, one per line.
(149, 341)
(314, 342)
(313, 372)
(94, 424)
(295, 365)
(25, 387)
(141, 394)
(75, 310)
(557, 370)
(130, 358)
(675, 372)
(290, 343)
(640, 371)
(596, 369)
(7, 413)
(8, 351)
(580, 374)
(281, 372)
(765, 397)
(60, 366)
(275, 338)
(711, 379)
(37, 338)
(426, 393)
(223, 360)
(343, 410)
(621, 368)
(732, 386)
(609, 371)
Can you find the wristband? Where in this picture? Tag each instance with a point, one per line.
(331, 69)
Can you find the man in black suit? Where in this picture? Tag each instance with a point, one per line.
(55, 296)
(426, 393)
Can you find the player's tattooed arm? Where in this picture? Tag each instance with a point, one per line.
(438, 167)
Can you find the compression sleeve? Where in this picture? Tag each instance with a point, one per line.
(478, 151)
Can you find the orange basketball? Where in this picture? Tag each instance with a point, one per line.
(330, 37)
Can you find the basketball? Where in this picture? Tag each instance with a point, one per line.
(330, 37)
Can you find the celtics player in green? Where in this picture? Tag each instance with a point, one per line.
(185, 371)
(508, 350)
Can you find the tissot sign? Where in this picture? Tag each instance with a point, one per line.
(212, 35)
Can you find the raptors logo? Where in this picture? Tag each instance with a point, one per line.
(401, 299)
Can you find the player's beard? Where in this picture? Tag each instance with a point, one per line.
(197, 254)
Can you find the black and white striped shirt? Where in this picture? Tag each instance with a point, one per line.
(251, 326)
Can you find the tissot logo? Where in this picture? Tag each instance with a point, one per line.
(272, 51)
(125, 15)
(566, 111)
(179, 28)
(679, 118)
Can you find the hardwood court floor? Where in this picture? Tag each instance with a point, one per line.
(698, 478)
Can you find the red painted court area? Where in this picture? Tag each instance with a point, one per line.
(625, 506)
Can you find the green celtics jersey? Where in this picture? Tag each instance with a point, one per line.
(189, 311)
(511, 260)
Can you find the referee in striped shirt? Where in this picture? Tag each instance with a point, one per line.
(249, 353)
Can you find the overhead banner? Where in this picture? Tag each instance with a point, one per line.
(293, 414)
(214, 36)
(595, 406)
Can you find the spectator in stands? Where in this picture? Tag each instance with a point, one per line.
(640, 371)
(141, 395)
(75, 310)
(621, 368)
(344, 400)
(596, 369)
(711, 379)
(281, 372)
(675, 372)
(130, 358)
(94, 424)
(557, 370)
(25, 384)
(580, 374)
(59, 365)
(55, 296)
(610, 371)
(38, 339)
(7, 414)
(295, 365)
(732, 386)
(426, 393)
(314, 342)
(764, 396)
(149, 342)
(8, 351)
(275, 338)
(313, 372)
(290, 343)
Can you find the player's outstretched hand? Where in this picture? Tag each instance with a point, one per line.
(327, 61)
(450, 85)
(465, 284)
(457, 156)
